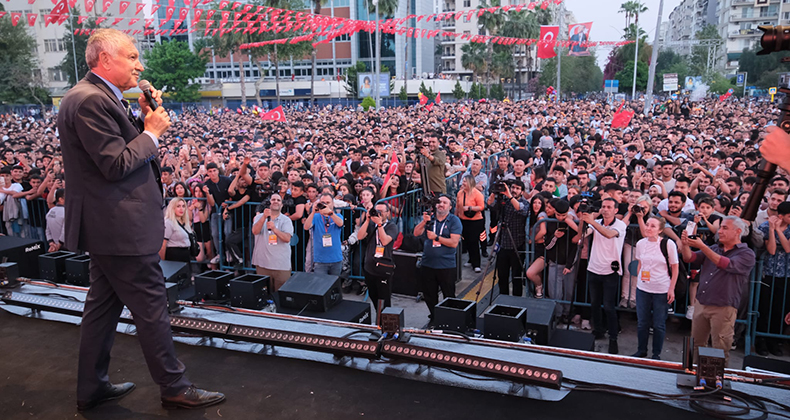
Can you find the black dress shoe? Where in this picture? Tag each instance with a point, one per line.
(638, 354)
(775, 349)
(613, 347)
(113, 392)
(193, 398)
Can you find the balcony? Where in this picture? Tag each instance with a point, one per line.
(448, 56)
(448, 23)
(745, 33)
(772, 16)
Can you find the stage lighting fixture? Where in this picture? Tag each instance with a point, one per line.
(474, 364)
(326, 344)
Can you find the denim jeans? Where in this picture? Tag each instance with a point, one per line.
(651, 308)
(603, 289)
(560, 287)
(333, 269)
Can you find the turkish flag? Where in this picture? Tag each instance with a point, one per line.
(60, 9)
(390, 172)
(210, 14)
(105, 4)
(622, 118)
(31, 18)
(438, 98)
(198, 13)
(89, 5)
(139, 8)
(277, 114)
(429, 107)
(169, 12)
(117, 21)
(15, 16)
(423, 98)
(223, 4)
(154, 8)
(548, 34)
(2, 14)
(133, 21)
(122, 6)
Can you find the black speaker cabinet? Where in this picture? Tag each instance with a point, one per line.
(9, 272)
(78, 270)
(406, 278)
(570, 339)
(24, 252)
(172, 297)
(213, 285)
(540, 316)
(52, 266)
(249, 291)
(310, 291)
(455, 314)
(505, 323)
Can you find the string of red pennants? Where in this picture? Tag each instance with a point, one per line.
(258, 19)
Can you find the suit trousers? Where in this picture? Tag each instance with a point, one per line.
(136, 282)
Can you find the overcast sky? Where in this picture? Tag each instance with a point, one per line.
(608, 24)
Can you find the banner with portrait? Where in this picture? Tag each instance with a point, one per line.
(578, 35)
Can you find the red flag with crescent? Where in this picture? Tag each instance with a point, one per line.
(545, 45)
(15, 16)
(106, 5)
(390, 172)
(122, 6)
(277, 114)
(429, 107)
(138, 8)
(89, 5)
(31, 18)
(438, 99)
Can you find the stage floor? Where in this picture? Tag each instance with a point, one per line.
(38, 365)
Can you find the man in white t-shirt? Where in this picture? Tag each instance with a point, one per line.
(604, 268)
(682, 184)
(271, 255)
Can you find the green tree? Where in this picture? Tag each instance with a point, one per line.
(368, 102)
(403, 95)
(626, 76)
(762, 69)
(17, 61)
(80, 42)
(474, 59)
(498, 92)
(171, 66)
(491, 22)
(458, 91)
(427, 91)
(719, 84)
(477, 92)
(579, 74)
(316, 11)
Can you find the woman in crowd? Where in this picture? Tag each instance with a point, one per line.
(175, 246)
(535, 270)
(201, 212)
(470, 204)
(656, 286)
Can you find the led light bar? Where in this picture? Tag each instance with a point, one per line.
(200, 325)
(44, 303)
(474, 364)
(336, 345)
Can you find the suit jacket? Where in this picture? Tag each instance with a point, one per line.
(114, 201)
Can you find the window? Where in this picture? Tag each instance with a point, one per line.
(467, 3)
(51, 45)
(56, 75)
(344, 37)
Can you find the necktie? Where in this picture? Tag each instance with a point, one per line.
(128, 109)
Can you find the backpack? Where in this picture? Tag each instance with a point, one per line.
(681, 285)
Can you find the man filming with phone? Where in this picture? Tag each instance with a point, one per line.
(326, 226)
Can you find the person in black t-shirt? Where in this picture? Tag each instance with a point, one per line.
(217, 186)
(240, 214)
(294, 207)
(522, 154)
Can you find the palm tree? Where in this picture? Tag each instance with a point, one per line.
(491, 22)
(632, 9)
(474, 58)
(626, 8)
(228, 44)
(520, 25)
(387, 9)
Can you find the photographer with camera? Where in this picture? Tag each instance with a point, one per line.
(325, 228)
(271, 254)
(638, 214)
(379, 266)
(513, 240)
(440, 235)
(725, 270)
(604, 268)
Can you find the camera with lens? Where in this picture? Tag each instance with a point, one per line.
(373, 212)
(498, 187)
(636, 209)
(320, 206)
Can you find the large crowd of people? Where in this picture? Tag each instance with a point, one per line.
(590, 202)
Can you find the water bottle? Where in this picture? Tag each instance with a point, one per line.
(270, 306)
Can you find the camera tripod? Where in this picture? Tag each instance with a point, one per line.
(494, 255)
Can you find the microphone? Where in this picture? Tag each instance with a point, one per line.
(146, 88)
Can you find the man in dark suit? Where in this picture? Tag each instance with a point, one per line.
(114, 212)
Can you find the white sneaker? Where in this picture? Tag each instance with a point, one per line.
(215, 260)
(539, 292)
(467, 264)
(586, 324)
(690, 312)
(477, 269)
(576, 320)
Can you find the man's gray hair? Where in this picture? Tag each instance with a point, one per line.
(104, 40)
(737, 221)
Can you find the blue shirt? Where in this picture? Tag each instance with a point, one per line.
(775, 265)
(118, 94)
(441, 256)
(323, 225)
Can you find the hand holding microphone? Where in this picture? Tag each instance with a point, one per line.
(156, 119)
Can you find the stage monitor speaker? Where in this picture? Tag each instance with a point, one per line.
(310, 291)
(540, 316)
(172, 297)
(78, 270)
(9, 272)
(249, 291)
(406, 278)
(213, 285)
(455, 314)
(24, 252)
(569, 339)
(178, 272)
(506, 323)
(52, 266)
(346, 311)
